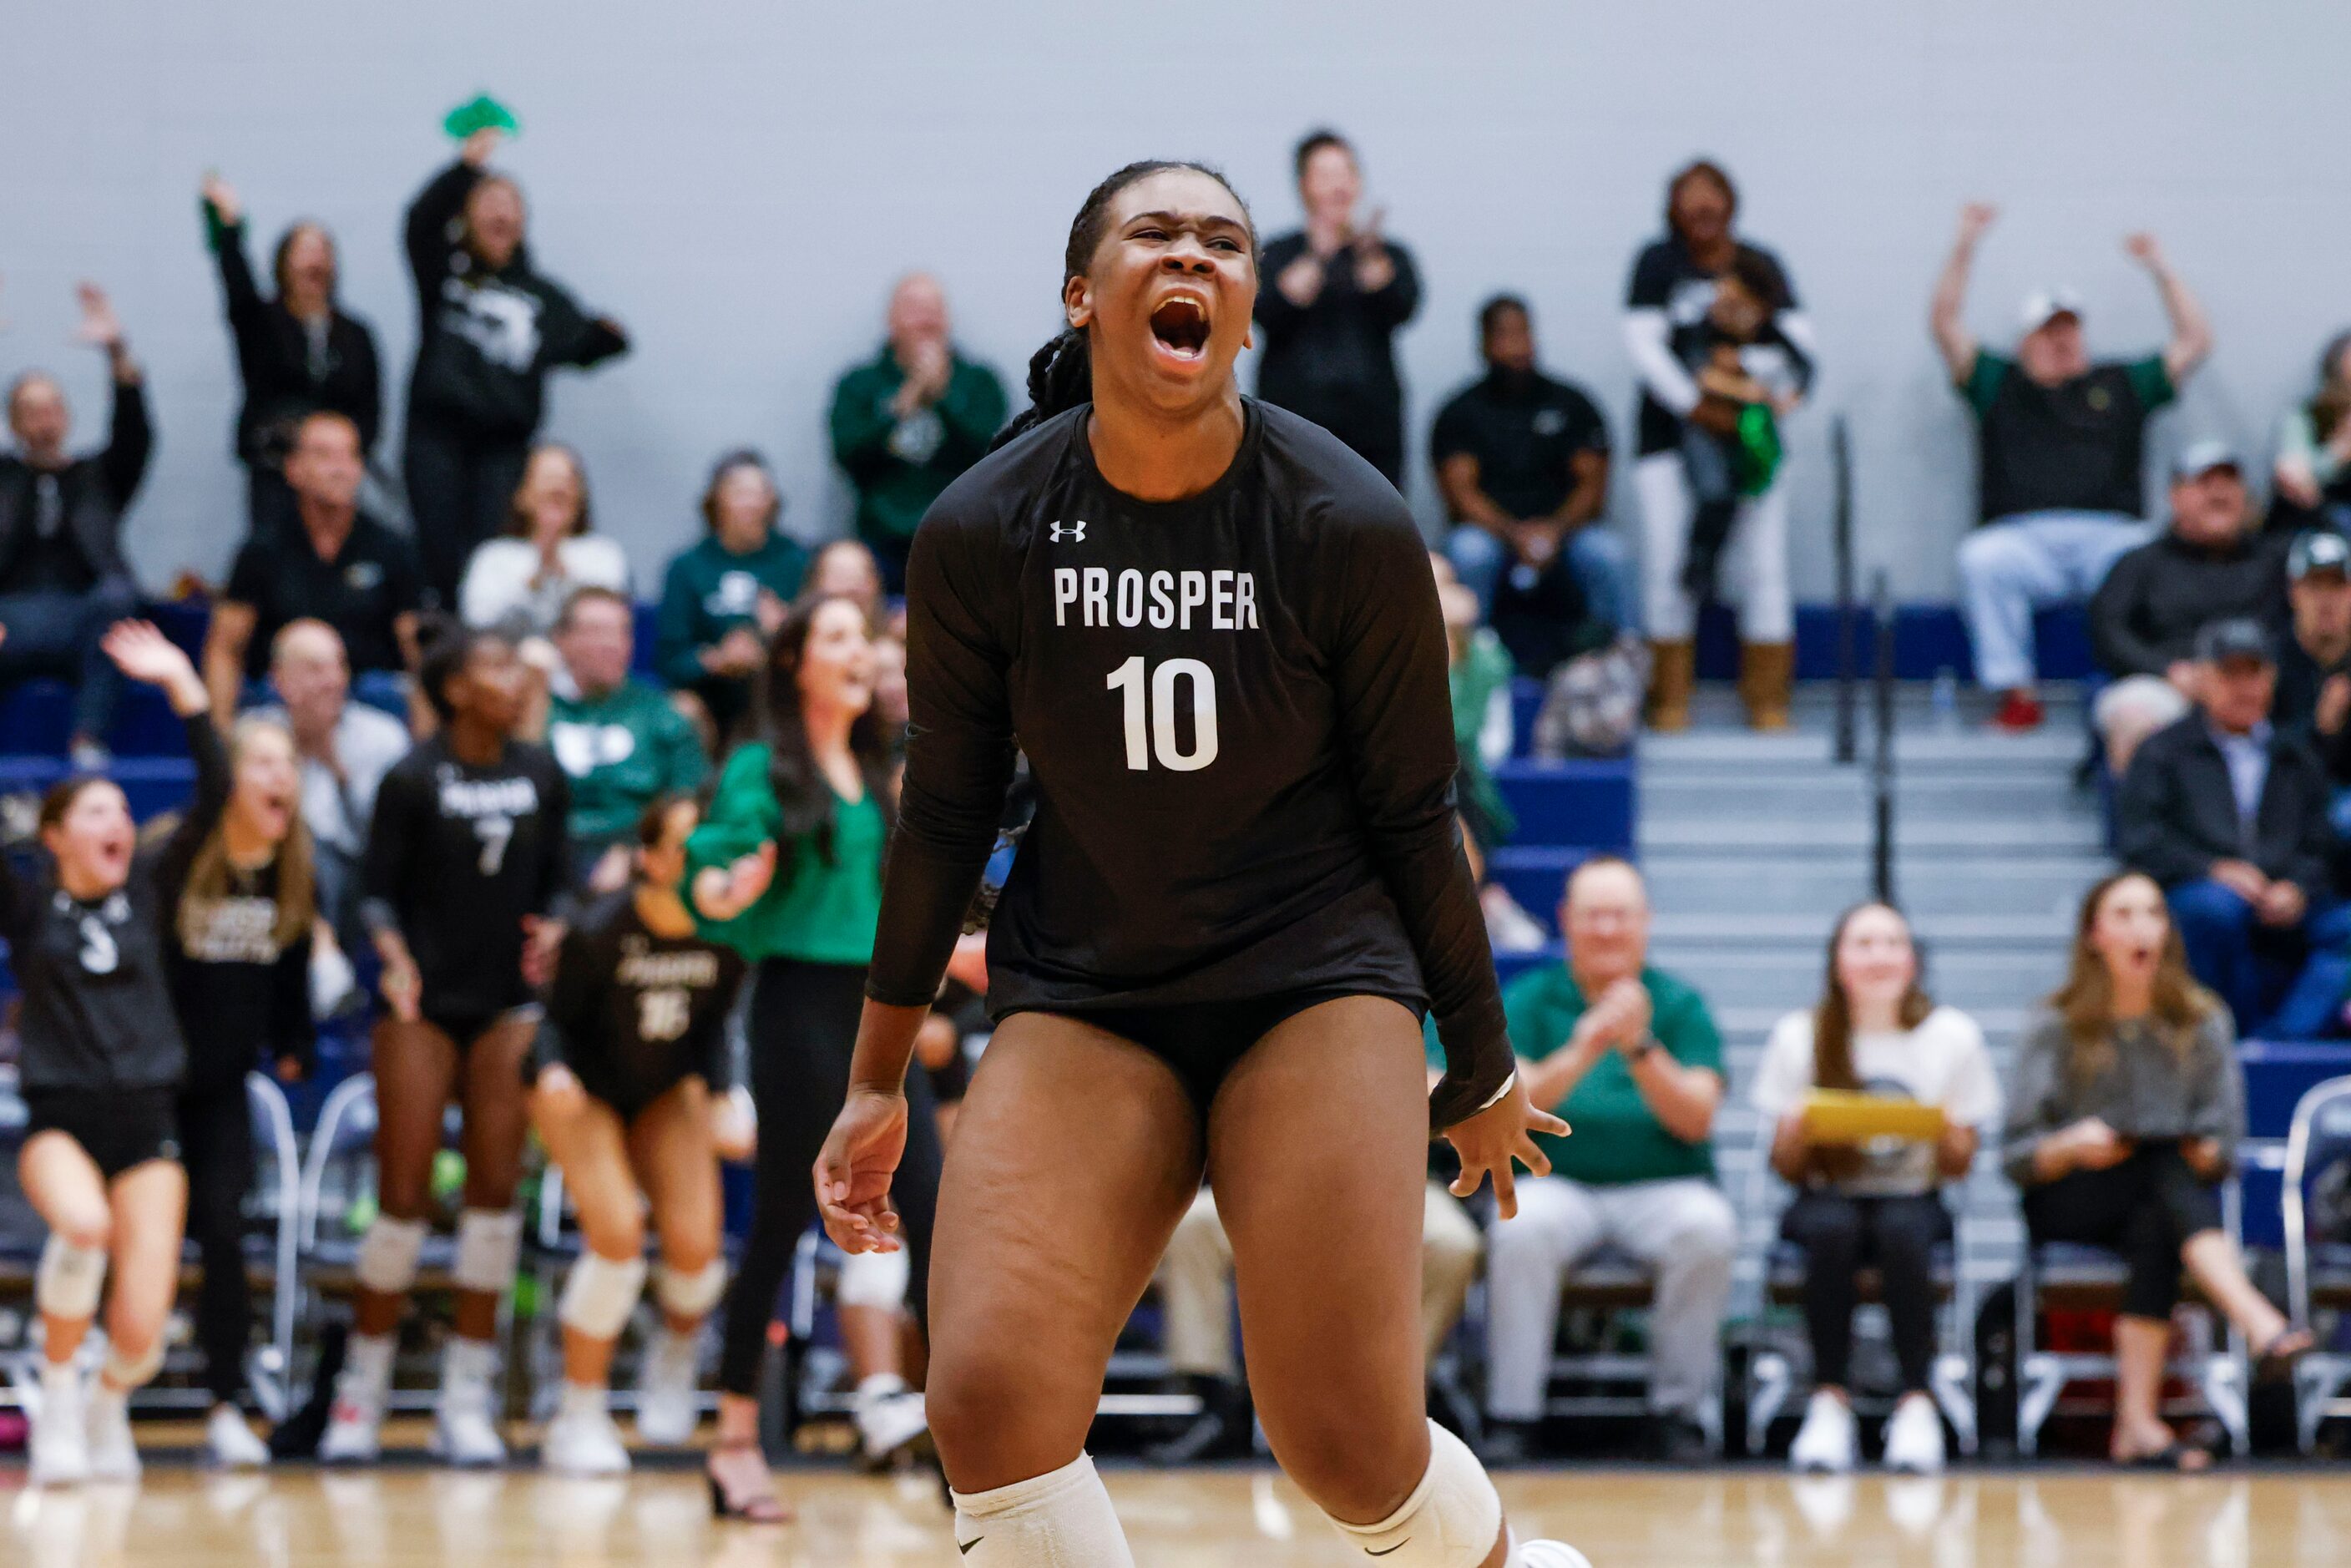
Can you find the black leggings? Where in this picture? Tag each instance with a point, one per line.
(1842, 1235)
(2145, 1209)
(461, 491)
(803, 1027)
(216, 1147)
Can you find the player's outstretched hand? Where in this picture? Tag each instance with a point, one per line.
(1489, 1141)
(855, 1167)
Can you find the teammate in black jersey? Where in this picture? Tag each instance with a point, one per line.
(237, 955)
(102, 1059)
(1212, 631)
(633, 1042)
(466, 859)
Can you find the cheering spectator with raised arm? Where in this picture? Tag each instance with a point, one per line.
(298, 351)
(490, 325)
(1335, 294)
(723, 595)
(63, 577)
(1697, 291)
(2059, 445)
(908, 421)
(334, 563)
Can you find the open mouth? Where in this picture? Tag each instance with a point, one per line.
(1180, 323)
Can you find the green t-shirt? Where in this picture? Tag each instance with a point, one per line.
(1484, 669)
(619, 751)
(817, 911)
(898, 466)
(1615, 1140)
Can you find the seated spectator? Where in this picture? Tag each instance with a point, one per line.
(1479, 674)
(2312, 471)
(845, 569)
(723, 595)
(620, 741)
(892, 705)
(1522, 463)
(1876, 1205)
(1196, 1297)
(491, 328)
(2058, 452)
(2230, 817)
(63, 577)
(908, 421)
(2211, 564)
(344, 749)
(2314, 685)
(298, 351)
(1630, 1057)
(335, 564)
(519, 584)
(2126, 1107)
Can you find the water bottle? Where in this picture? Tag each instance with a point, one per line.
(1945, 701)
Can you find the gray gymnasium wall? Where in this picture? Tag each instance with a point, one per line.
(739, 180)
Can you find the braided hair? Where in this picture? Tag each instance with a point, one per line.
(1060, 374)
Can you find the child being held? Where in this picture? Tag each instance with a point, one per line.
(1748, 373)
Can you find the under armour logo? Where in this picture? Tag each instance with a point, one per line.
(1077, 532)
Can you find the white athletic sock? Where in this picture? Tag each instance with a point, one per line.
(1060, 1519)
(369, 1356)
(881, 1386)
(1450, 1520)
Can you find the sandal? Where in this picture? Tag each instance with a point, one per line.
(763, 1508)
(2196, 1451)
(2274, 1361)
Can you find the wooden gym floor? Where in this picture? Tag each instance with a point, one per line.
(408, 1517)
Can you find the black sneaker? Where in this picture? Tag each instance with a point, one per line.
(1220, 1431)
(1678, 1440)
(1509, 1442)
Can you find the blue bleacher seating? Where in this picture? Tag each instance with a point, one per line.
(1586, 804)
(2278, 1073)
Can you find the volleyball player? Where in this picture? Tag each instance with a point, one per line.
(633, 1041)
(465, 859)
(102, 1063)
(1214, 632)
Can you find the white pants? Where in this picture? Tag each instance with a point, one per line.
(1754, 564)
(2019, 564)
(1682, 1230)
(1195, 1282)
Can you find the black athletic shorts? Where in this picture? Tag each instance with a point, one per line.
(117, 1128)
(629, 1101)
(1203, 1042)
(465, 1028)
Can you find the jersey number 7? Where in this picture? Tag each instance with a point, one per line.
(1128, 679)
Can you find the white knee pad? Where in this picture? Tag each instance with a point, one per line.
(873, 1280)
(690, 1295)
(489, 1242)
(1062, 1516)
(132, 1371)
(1451, 1520)
(388, 1254)
(67, 1284)
(600, 1294)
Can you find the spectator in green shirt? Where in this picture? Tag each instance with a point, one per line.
(620, 741)
(908, 421)
(1629, 1056)
(723, 596)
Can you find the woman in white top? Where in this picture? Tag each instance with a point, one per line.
(1874, 1032)
(517, 585)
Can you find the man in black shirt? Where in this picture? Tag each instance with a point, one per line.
(1338, 291)
(2059, 443)
(2314, 685)
(342, 567)
(1522, 463)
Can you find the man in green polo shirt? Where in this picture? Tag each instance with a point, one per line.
(1629, 1056)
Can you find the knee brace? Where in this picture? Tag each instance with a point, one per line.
(600, 1294)
(66, 1282)
(1451, 1520)
(690, 1295)
(388, 1254)
(488, 1241)
(127, 1373)
(873, 1280)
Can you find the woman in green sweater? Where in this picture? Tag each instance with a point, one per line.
(786, 870)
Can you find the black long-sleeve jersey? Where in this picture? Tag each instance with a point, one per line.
(457, 857)
(239, 992)
(98, 1011)
(1236, 710)
(632, 1013)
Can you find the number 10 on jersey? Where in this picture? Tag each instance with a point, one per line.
(1129, 680)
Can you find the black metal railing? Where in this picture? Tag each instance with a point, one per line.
(1848, 632)
(1881, 766)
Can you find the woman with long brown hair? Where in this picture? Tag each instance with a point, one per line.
(2124, 1113)
(1878, 1205)
(237, 955)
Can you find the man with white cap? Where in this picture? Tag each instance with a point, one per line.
(2059, 452)
(2210, 564)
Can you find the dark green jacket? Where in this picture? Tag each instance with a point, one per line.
(710, 590)
(619, 751)
(898, 466)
